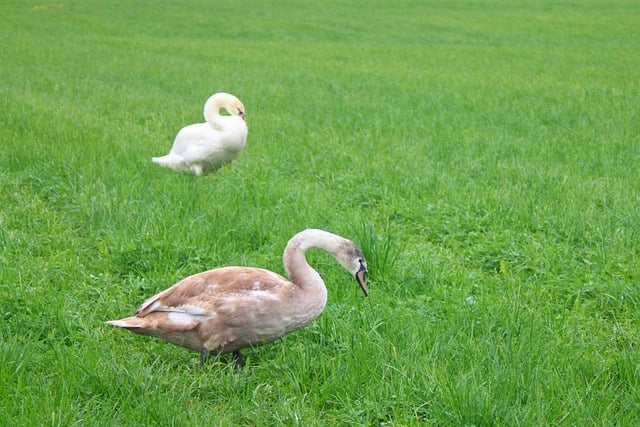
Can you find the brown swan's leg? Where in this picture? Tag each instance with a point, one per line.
(239, 359)
(203, 356)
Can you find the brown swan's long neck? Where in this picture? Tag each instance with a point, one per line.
(295, 262)
(312, 291)
(297, 267)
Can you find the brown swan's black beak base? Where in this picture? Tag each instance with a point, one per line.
(361, 278)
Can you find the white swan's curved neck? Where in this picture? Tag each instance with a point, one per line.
(215, 103)
(212, 109)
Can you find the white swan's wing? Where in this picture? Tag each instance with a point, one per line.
(192, 137)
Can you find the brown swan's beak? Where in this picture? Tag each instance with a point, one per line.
(361, 278)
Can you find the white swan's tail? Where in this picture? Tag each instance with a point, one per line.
(171, 161)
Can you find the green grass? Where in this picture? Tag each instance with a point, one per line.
(484, 155)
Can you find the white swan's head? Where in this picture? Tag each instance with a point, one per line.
(235, 108)
(220, 100)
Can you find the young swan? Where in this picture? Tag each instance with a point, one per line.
(203, 148)
(231, 308)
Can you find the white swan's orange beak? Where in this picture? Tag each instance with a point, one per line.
(242, 116)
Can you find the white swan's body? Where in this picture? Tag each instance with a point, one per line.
(231, 308)
(203, 148)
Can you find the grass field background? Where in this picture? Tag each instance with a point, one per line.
(484, 155)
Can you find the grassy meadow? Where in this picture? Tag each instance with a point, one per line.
(485, 156)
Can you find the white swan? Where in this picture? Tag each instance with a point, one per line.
(231, 308)
(203, 148)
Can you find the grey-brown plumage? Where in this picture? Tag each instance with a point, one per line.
(231, 308)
